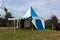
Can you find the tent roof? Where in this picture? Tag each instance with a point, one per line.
(30, 13)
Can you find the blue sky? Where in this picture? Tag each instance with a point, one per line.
(43, 8)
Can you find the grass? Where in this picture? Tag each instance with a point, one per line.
(7, 33)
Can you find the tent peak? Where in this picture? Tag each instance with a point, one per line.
(30, 13)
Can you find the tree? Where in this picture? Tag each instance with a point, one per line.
(5, 9)
(52, 23)
(7, 15)
(48, 24)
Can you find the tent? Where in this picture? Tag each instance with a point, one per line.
(36, 20)
(31, 16)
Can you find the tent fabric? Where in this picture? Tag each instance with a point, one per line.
(30, 13)
(42, 23)
(33, 14)
(33, 21)
(38, 22)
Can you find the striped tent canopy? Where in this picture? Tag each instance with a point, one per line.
(37, 21)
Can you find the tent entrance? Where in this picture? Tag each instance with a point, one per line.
(22, 23)
(32, 26)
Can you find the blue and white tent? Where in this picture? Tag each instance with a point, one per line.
(37, 21)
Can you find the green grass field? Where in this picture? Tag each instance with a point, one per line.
(20, 34)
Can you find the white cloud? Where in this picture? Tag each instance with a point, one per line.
(1, 3)
(55, 1)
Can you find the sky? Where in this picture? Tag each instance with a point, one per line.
(43, 8)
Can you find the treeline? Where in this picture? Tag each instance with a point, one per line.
(52, 23)
(4, 21)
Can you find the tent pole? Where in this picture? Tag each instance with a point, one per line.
(14, 26)
(32, 25)
(17, 23)
(24, 23)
